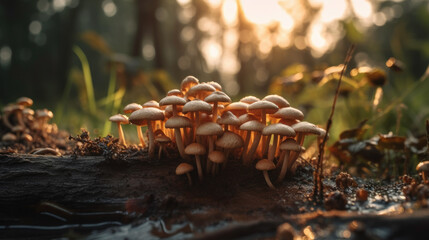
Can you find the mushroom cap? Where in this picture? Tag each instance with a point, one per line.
(9, 137)
(280, 101)
(13, 108)
(197, 106)
(132, 107)
(249, 99)
(216, 85)
(44, 113)
(230, 140)
(172, 100)
(423, 166)
(258, 106)
(209, 128)
(195, 149)
(141, 116)
(280, 129)
(247, 117)
(237, 108)
(28, 111)
(289, 113)
(201, 88)
(24, 101)
(175, 92)
(17, 128)
(322, 132)
(228, 118)
(252, 126)
(217, 96)
(119, 118)
(151, 103)
(216, 156)
(178, 122)
(184, 168)
(306, 128)
(290, 144)
(188, 82)
(265, 165)
(162, 139)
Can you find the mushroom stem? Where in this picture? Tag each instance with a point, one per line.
(151, 138)
(189, 178)
(160, 151)
(249, 156)
(267, 179)
(281, 158)
(284, 167)
(179, 142)
(273, 148)
(140, 135)
(211, 148)
(424, 176)
(200, 170)
(214, 111)
(121, 134)
(246, 144)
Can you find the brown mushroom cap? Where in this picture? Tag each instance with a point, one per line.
(151, 103)
(195, 149)
(175, 92)
(203, 88)
(249, 99)
(237, 108)
(247, 117)
(28, 111)
(24, 101)
(252, 126)
(188, 82)
(280, 101)
(178, 122)
(265, 165)
(216, 85)
(228, 118)
(172, 100)
(184, 168)
(209, 128)
(280, 129)
(306, 128)
(423, 166)
(9, 137)
(132, 107)
(216, 157)
(290, 144)
(162, 139)
(258, 106)
(217, 96)
(197, 106)
(289, 113)
(140, 116)
(119, 118)
(44, 113)
(230, 140)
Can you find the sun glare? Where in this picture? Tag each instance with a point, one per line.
(266, 12)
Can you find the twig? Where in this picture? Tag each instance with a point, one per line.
(318, 175)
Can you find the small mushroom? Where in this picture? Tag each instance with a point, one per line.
(187, 83)
(9, 137)
(228, 118)
(275, 130)
(217, 158)
(130, 108)
(162, 140)
(249, 99)
(24, 101)
(178, 122)
(120, 119)
(229, 141)
(265, 165)
(256, 127)
(423, 167)
(216, 98)
(287, 145)
(197, 150)
(200, 91)
(185, 168)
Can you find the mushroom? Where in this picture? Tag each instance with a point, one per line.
(216, 98)
(173, 101)
(265, 165)
(162, 140)
(302, 129)
(228, 118)
(195, 107)
(229, 141)
(9, 137)
(42, 117)
(13, 110)
(147, 115)
(185, 168)
(287, 145)
(216, 85)
(249, 99)
(209, 129)
(276, 130)
(178, 122)
(28, 115)
(257, 128)
(24, 101)
(120, 119)
(423, 167)
(277, 100)
(197, 150)
(130, 108)
(151, 103)
(175, 92)
(187, 83)
(217, 157)
(289, 115)
(200, 91)
(237, 108)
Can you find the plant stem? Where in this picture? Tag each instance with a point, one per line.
(87, 78)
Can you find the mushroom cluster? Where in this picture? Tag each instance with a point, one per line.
(22, 125)
(204, 125)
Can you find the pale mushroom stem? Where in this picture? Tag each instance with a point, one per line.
(246, 144)
(249, 156)
(140, 135)
(284, 167)
(189, 178)
(121, 134)
(294, 155)
(151, 138)
(160, 151)
(179, 142)
(264, 138)
(211, 148)
(214, 112)
(281, 158)
(273, 148)
(267, 179)
(200, 170)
